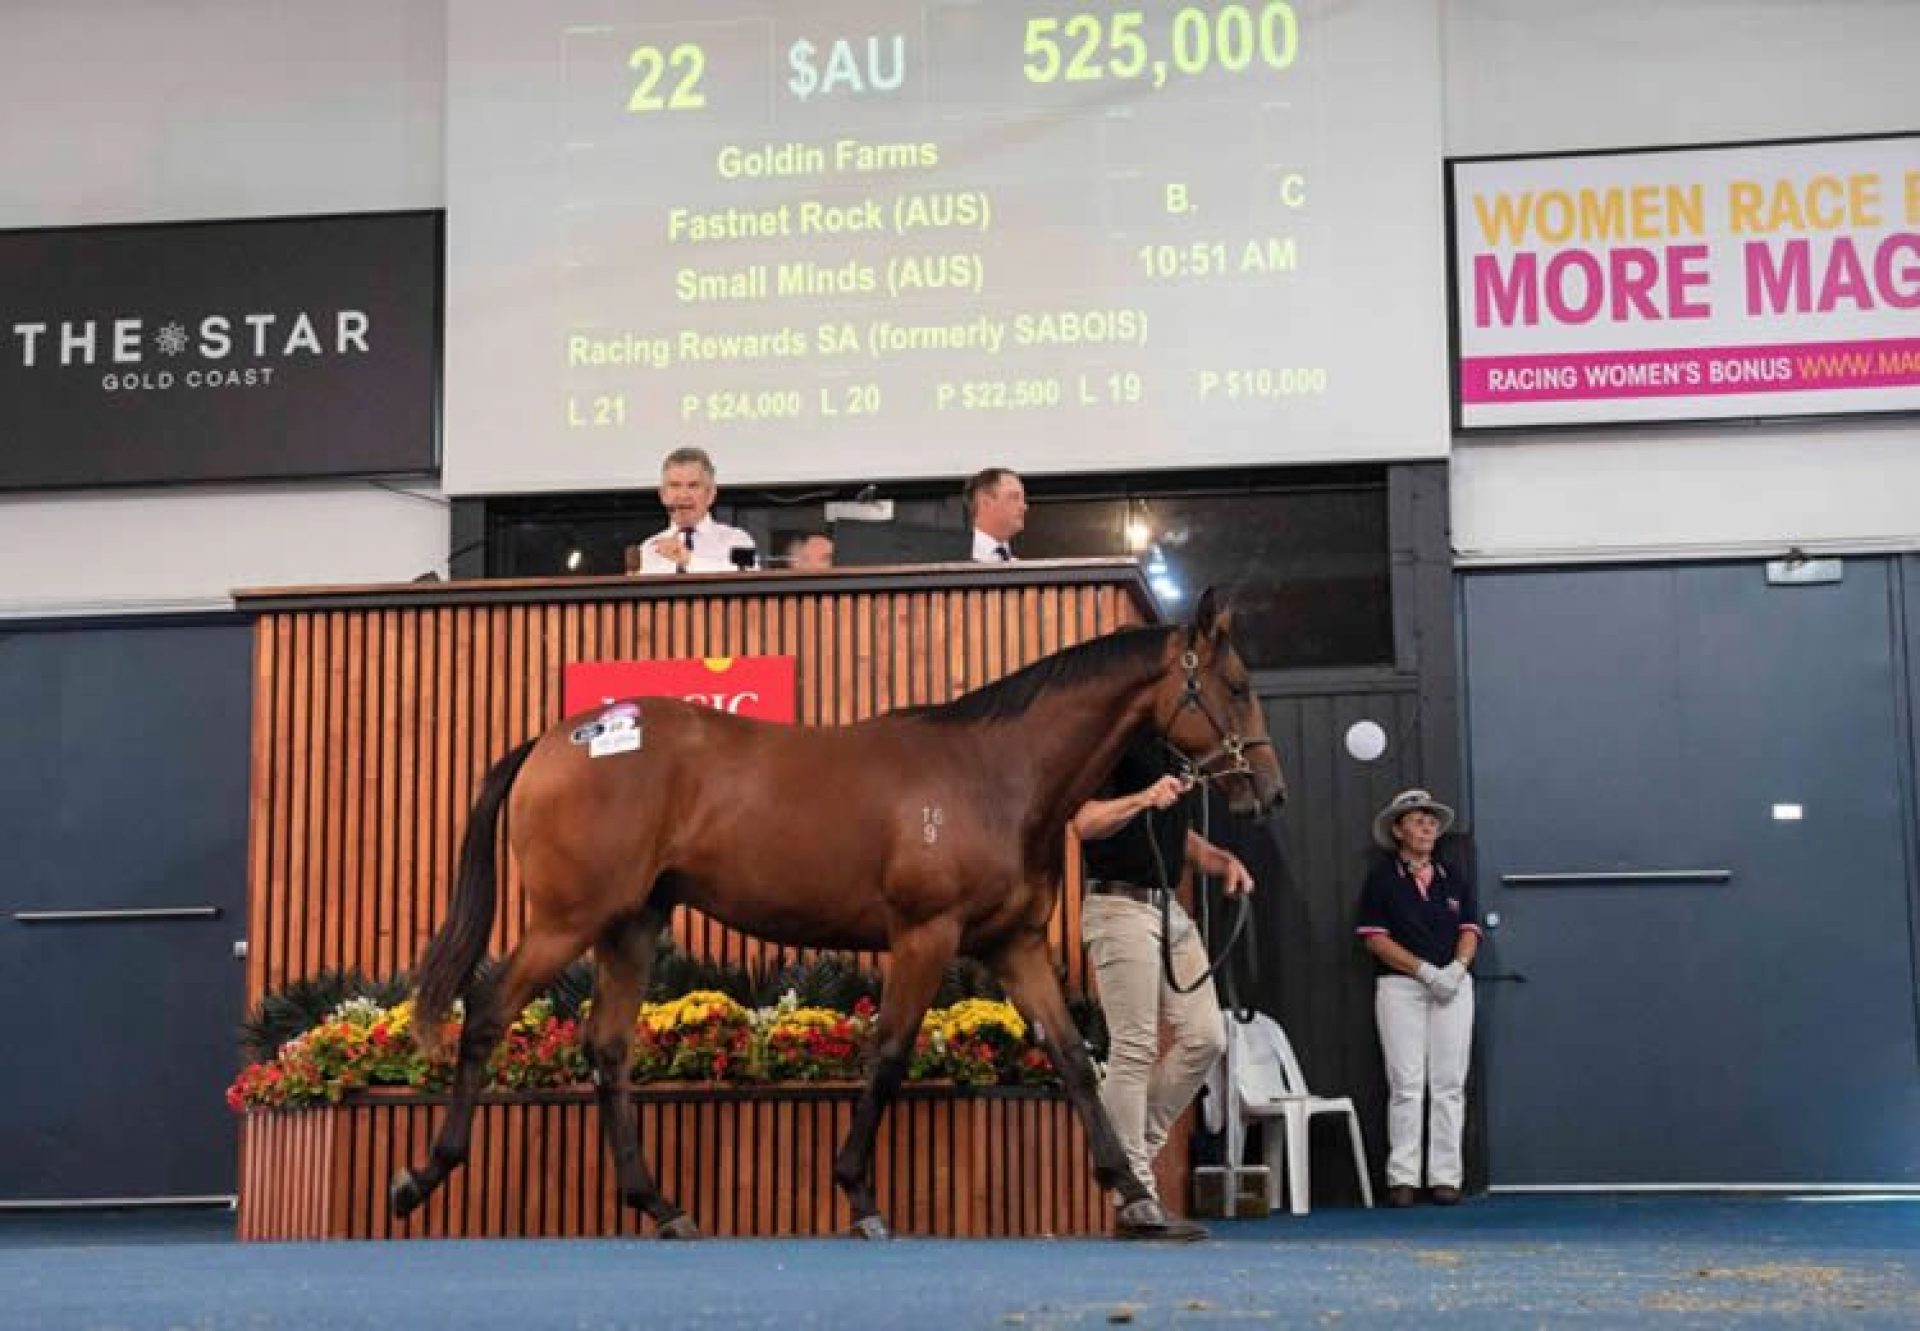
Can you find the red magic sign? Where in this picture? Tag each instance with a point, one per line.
(756, 686)
(219, 351)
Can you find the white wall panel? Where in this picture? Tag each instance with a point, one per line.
(156, 110)
(1695, 493)
(1560, 75)
(145, 551)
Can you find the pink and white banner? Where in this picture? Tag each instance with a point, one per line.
(1694, 284)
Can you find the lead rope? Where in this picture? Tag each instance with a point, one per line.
(1242, 913)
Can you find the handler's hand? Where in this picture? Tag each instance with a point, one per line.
(1238, 881)
(1164, 793)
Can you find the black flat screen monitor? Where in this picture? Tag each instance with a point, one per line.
(857, 543)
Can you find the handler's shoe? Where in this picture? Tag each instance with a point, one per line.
(1147, 1221)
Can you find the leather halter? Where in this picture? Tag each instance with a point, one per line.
(1233, 746)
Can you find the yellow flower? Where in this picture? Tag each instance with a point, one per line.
(973, 1015)
(533, 1016)
(796, 1020)
(694, 1009)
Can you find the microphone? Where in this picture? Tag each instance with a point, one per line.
(868, 493)
(576, 559)
(435, 575)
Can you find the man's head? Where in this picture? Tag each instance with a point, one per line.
(810, 552)
(997, 503)
(687, 490)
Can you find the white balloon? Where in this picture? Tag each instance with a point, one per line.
(1366, 740)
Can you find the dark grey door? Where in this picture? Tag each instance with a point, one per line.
(1759, 1029)
(123, 811)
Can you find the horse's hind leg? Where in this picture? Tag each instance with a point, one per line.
(623, 964)
(1026, 973)
(530, 968)
(920, 958)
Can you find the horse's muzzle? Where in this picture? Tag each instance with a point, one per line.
(1257, 796)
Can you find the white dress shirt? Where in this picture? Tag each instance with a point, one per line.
(712, 542)
(986, 550)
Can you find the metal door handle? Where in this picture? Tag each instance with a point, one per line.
(1617, 876)
(112, 916)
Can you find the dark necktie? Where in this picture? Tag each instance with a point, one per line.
(686, 539)
(1001, 553)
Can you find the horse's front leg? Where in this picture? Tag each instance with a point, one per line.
(1026, 973)
(920, 958)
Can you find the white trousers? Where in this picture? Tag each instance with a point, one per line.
(1146, 1090)
(1427, 1045)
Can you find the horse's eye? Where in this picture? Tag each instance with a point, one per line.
(1239, 692)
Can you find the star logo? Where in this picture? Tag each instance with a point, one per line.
(171, 340)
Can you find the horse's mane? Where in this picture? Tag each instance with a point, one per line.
(1010, 697)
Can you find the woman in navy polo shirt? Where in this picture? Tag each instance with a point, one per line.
(1419, 920)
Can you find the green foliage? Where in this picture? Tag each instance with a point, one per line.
(966, 979)
(570, 991)
(675, 973)
(304, 1004)
(836, 981)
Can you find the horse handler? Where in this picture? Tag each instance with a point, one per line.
(1132, 861)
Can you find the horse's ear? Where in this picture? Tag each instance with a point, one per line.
(1209, 616)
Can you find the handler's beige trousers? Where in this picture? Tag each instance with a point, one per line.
(1145, 1090)
(1427, 1044)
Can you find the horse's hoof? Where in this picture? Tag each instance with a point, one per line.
(682, 1228)
(872, 1228)
(404, 1194)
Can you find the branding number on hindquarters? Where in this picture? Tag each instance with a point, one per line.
(616, 730)
(932, 818)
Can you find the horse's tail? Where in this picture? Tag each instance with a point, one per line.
(448, 966)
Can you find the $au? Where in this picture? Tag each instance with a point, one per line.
(884, 69)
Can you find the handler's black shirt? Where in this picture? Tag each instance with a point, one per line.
(1127, 855)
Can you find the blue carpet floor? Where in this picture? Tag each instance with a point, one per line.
(1496, 1262)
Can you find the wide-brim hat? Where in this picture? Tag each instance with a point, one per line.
(1406, 802)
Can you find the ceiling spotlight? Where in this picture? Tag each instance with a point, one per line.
(574, 560)
(1138, 534)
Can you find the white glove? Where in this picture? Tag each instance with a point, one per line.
(1447, 981)
(1428, 974)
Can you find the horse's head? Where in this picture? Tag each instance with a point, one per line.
(1208, 711)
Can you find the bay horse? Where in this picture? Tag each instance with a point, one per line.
(932, 832)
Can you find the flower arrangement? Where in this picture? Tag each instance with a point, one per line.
(701, 1036)
(975, 1042)
(704, 1035)
(816, 1043)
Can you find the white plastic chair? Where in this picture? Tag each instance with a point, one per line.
(1270, 1088)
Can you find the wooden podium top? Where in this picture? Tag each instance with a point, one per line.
(1117, 572)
